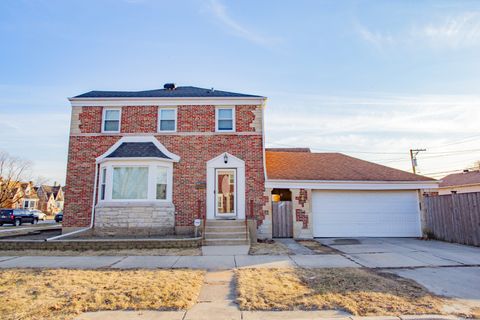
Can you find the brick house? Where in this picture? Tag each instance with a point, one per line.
(151, 162)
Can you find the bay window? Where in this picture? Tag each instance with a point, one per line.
(130, 183)
(142, 180)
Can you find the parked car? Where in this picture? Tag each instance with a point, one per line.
(16, 217)
(39, 214)
(59, 217)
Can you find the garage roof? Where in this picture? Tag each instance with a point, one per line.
(283, 165)
(459, 179)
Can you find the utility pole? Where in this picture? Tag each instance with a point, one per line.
(413, 158)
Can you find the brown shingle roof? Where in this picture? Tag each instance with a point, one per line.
(331, 166)
(459, 179)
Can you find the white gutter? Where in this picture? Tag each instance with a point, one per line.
(92, 219)
(351, 185)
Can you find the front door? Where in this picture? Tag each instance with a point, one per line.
(225, 193)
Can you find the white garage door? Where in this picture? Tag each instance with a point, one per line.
(365, 214)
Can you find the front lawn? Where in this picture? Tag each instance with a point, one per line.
(62, 294)
(358, 291)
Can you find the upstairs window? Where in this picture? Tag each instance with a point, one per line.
(225, 119)
(167, 120)
(111, 120)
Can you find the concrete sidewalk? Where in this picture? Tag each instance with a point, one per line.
(192, 262)
(214, 314)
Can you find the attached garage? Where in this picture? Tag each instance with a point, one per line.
(357, 213)
(335, 195)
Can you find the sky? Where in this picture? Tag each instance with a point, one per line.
(371, 79)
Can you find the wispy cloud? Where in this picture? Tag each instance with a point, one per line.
(459, 31)
(379, 123)
(455, 32)
(376, 38)
(219, 11)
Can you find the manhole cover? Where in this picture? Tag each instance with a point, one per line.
(345, 241)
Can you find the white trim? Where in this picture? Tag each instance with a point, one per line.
(351, 185)
(104, 111)
(118, 102)
(219, 163)
(159, 119)
(161, 147)
(217, 109)
(152, 179)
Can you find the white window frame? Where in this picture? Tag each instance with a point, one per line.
(103, 184)
(104, 113)
(217, 109)
(152, 165)
(159, 119)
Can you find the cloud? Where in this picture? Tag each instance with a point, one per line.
(459, 31)
(455, 32)
(375, 38)
(379, 123)
(220, 13)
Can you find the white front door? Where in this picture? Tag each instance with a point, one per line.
(225, 193)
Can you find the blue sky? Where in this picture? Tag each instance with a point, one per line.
(369, 78)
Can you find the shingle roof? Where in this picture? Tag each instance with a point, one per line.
(137, 150)
(331, 166)
(459, 179)
(178, 92)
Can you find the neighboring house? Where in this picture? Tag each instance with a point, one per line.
(150, 162)
(50, 198)
(23, 195)
(466, 181)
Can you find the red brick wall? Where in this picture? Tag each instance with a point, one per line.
(196, 118)
(244, 116)
(139, 119)
(194, 151)
(91, 120)
(300, 214)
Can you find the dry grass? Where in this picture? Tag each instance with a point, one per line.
(357, 291)
(316, 247)
(62, 294)
(274, 248)
(130, 252)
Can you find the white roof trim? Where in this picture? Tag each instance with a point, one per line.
(351, 185)
(173, 157)
(119, 102)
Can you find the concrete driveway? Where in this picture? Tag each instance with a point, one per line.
(404, 252)
(447, 269)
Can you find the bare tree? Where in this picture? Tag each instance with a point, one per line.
(12, 171)
(476, 165)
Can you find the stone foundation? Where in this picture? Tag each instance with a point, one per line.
(134, 218)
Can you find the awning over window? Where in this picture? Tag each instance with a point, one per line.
(137, 150)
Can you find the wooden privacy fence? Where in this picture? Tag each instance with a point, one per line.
(282, 219)
(454, 217)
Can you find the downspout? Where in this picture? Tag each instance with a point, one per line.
(92, 218)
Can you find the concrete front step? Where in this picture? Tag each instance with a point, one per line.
(226, 235)
(225, 242)
(219, 223)
(225, 229)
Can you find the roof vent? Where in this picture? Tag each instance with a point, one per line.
(169, 86)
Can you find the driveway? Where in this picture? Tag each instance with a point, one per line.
(444, 268)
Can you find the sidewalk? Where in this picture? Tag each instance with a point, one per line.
(192, 262)
(213, 314)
